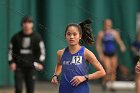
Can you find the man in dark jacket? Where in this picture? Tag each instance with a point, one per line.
(26, 55)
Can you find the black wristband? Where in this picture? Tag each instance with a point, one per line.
(55, 76)
(87, 77)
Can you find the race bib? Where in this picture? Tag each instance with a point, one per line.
(77, 59)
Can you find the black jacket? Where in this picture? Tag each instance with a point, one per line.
(24, 50)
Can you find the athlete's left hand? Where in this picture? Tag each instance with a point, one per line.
(77, 80)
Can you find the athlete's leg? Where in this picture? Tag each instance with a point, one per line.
(114, 65)
(137, 83)
(107, 66)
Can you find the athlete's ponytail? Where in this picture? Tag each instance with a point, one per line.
(85, 30)
(87, 36)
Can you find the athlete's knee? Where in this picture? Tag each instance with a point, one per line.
(108, 71)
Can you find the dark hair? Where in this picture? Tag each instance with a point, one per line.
(85, 30)
(26, 19)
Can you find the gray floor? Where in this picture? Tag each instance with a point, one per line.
(46, 87)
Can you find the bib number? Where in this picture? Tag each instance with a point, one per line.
(77, 59)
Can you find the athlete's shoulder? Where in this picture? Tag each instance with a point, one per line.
(88, 54)
(87, 51)
(115, 32)
(100, 33)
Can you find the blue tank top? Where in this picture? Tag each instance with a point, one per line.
(108, 43)
(136, 44)
(73, 65)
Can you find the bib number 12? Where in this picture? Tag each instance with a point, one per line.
(77, 59)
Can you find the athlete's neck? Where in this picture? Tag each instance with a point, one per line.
(74, 49)
(107, 30)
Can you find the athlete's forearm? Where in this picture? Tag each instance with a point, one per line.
(121, 43)
(58, 69)
(96, 75)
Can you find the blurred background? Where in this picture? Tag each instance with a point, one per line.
(51, 18)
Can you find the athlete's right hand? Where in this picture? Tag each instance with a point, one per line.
(54, 80)
(13, 66)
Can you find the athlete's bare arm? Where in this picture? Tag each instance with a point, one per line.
(119, 40)
(100, 72)
(99, 44)
(58, 67)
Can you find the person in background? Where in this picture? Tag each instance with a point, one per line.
(106, 48)
(26, 55)
(136, 63)
(136, 49)
(73, 61)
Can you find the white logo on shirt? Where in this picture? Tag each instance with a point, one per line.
(26, 42)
